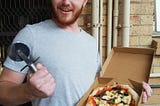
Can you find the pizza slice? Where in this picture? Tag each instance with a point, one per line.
(115, 95)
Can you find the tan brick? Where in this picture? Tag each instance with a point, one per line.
(135, 9)
(145, 40)
(156, 91)
(146, 19)
(154, 81)
(135, 1)
(135, 30)
(151, 1)
(134, 40)
(135, 20)
(156, 69)
(141, 30)
(156, 61)
(146, 8)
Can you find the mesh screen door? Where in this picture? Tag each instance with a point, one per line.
(14, 14)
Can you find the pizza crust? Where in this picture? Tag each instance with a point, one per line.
(134, 94)
(96, 96)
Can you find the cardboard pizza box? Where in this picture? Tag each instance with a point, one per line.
(124, 66)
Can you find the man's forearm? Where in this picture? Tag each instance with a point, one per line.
(14, 94)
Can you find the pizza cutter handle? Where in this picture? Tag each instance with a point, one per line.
(33, 68)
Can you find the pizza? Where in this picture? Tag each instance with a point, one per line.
(114, 95)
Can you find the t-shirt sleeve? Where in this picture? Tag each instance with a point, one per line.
(24, 36)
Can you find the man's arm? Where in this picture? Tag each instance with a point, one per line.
(14, 92)
(11, 87)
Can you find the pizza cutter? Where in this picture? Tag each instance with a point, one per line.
(21, 52)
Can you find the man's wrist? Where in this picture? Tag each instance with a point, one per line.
(29, 95)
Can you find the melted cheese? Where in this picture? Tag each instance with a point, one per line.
(127, 99)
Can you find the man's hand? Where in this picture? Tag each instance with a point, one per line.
(40, 84)
(147, 92)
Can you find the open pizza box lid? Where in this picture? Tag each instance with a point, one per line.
(124, 66)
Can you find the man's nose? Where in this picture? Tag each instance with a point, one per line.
(66, 2)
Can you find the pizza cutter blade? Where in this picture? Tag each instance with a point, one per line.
(20, 52)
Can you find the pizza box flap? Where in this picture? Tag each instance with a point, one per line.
(128, 66)
(124, 66)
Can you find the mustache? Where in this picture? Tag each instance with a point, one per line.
(65, 7)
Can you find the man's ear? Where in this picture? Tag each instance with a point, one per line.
(85, 2)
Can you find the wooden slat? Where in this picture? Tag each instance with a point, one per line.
(155, 99)
(156, 91)
(154, 80)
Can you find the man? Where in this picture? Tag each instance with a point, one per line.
(67, 65)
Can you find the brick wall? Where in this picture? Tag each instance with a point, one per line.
(141, 14)
(141, 22)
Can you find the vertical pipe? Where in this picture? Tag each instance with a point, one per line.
(115, 22)
(126, 23)
(101, 30)
(95, 20)
(109, 33)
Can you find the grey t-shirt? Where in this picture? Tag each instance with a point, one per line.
(71, 58)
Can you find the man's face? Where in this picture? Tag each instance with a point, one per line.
(67, 11)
